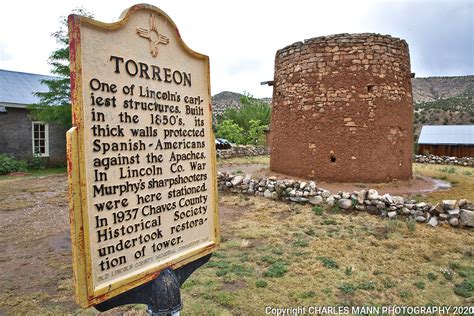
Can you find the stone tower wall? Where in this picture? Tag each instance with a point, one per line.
(343, 109)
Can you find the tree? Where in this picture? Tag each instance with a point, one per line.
(255, 134)
(55, 104)
(230, 131)
(251, 109)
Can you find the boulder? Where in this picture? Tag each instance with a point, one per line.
(398, 200)
(387, 198)
(267, 194)
(237, 180)
(466, 217)
(433, 221)
(345, 203)
(454, 213)
(420, 218)
(454, 221)
(330, 200)
(437, 209)
(392, 214)
(316, 200)
(449, 204)
(372, 194)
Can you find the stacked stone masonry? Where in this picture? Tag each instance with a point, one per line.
(456, 213)
(241, 151)
(343, 108)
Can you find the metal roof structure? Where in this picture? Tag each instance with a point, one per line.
(17, 88)
(447, 135)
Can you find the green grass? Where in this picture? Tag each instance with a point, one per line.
(276, 270)
(37, 173)
(318, 210)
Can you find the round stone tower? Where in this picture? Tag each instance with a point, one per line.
(343, 109)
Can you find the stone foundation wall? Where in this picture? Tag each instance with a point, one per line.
(241, 151)
(457, 213)
(445, 160)
(342, 109)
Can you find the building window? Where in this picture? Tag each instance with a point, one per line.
(40, 139)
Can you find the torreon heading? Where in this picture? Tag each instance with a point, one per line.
(151, 72)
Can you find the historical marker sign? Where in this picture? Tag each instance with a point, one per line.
(141, 153)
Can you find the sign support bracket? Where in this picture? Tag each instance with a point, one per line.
(162, 295)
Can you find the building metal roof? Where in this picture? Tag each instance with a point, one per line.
(17, 88)
(447, 135)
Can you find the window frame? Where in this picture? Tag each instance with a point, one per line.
(46, 139)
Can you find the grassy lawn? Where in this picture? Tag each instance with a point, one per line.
(276, 254)
(272, 253)
(37, 173)
(245, 160)
(461, 179)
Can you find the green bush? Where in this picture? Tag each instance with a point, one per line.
(36, 162)
(9, 164)
(229, 130)
(276, 270)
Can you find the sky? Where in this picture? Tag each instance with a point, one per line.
(241, 37)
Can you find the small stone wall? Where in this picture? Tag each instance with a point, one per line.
(241, 151)
(444, 160)
(457, 213)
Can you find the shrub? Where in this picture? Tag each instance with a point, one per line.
(431, 276)
(9, 164)
(465, 289)
(328, 263)
(318, 210)
(348, 288)
(36, 162)
(276, 270)
(260, 283)
(229, 130)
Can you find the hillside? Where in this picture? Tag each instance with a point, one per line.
(226, 100)
(437, 100)
(437, 88)
(443, 101)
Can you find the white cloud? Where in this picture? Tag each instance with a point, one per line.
(242, 37)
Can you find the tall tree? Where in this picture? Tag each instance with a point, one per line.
(55, 104)
(251, 109)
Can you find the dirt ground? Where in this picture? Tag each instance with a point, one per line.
(35, 261)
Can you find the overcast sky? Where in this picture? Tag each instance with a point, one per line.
(241, 37)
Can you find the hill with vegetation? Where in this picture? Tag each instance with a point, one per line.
(443, 101)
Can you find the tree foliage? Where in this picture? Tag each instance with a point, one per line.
(255, 134)
(229, 130)
(248, 122)
(251, 109)
(55, 104)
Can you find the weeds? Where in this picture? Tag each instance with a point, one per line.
(348, 271)
(431, 276)
(307, 294)
(465, 288)
(447, 273)
(450, 170)
(261, 283)
(318, 210)
(348, 288)
(368, 286)
(301, 243)
(328, 263)
(411, 224)
(276, 270)
(420, 285)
